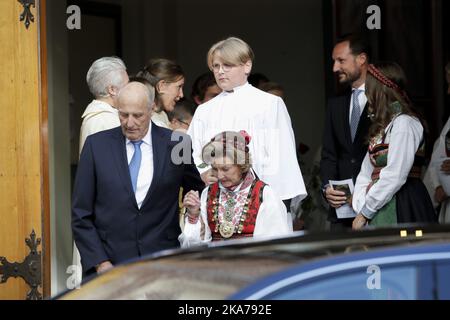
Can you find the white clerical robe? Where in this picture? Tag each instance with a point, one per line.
(264, 116)
(98, 116)
(434, 177)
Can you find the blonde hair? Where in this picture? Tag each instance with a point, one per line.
(231, 145)
(232, 50)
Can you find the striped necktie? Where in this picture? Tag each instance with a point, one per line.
(356, 113)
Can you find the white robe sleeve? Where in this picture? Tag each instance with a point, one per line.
(362, 182)
(431, 179)
(191, 234)
(196, 132)
(404, 140)
(100, 122)
(282, 171)
(272, 218)
(439, 155)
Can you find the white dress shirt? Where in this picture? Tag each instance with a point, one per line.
(145, 175)
(265, 118)
(404, 140)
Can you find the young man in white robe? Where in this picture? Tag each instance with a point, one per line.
(241, 106)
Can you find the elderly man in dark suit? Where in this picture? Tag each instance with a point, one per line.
(125, 198)
(346, 125)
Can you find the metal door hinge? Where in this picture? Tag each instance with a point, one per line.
(29, 269)
(26, 14)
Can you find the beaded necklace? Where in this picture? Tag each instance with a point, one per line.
(226, 227)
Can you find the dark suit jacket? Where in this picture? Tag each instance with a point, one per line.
(106, 221)
(342, 159)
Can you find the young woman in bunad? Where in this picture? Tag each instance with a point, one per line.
(389, 189)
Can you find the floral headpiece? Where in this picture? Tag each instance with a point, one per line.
(225, 138)
(377, 74)
(238, 140)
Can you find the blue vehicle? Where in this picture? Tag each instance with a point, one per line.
(418, 272)
(395, 263)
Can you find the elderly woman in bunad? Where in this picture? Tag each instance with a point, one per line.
(239, 204)
(388, 189)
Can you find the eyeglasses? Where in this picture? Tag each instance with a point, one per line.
(225, 67)
(183, 122)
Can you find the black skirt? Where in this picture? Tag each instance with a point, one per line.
(413, 203)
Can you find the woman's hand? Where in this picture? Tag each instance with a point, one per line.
(359, 222)
(440, 195)
(192, 203)
(103, 267)
(445, 167)
(209, 177)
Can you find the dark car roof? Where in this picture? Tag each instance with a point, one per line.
(221, 269)
(415, 253)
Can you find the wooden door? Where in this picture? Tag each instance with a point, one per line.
(24, 204)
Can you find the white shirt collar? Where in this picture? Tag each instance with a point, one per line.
(361, 87)
(147, 138)
(239, 186)
(246, 84)
(97, 106)
(236, 190)
(241, 87)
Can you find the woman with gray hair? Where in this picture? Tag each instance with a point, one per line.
(105, 78)
(239, 204)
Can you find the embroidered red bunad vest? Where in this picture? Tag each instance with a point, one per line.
(246, 225)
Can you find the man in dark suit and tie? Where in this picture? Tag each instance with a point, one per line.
(125, 198)
(345, 139)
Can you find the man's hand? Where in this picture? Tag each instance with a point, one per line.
(104, 266)
(335, 198)
(359, 222)
(440, 195)
(445, 167)
(209, 177)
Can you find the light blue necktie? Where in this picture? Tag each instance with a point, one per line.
(356, 113)
(135, 163)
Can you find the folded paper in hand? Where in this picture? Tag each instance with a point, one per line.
(347, 186)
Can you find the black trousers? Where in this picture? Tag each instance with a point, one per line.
(340, 225)
(287, 203)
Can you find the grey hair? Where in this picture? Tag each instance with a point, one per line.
(105, 72)
(150, 88)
